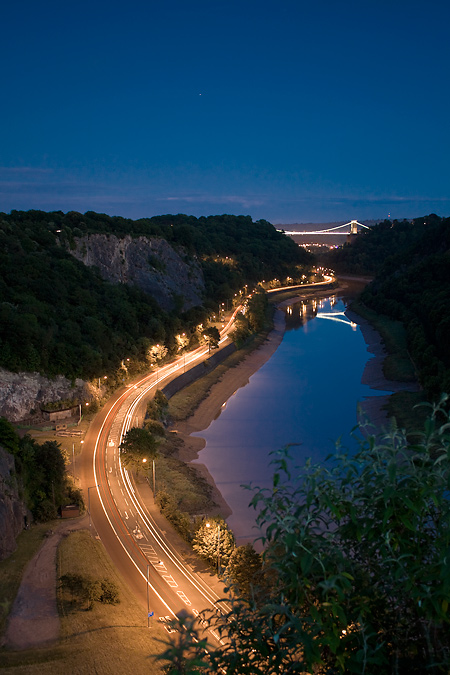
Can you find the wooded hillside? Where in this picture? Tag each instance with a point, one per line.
(58, 316)
(411, 263)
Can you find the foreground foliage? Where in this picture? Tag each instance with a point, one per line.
(356, 566)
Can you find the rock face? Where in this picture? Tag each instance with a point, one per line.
(22, 393)
(12, 509)
(149, 263)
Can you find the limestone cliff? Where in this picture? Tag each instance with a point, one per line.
(22, 393)
(149, 263)
(12, 509)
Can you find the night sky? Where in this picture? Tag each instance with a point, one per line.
(286, 110)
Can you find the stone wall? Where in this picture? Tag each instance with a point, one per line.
(199, 370)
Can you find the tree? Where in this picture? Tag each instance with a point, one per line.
(158, 407)
(160, 399)
(156, 353)
(242, 329)
(244, 570)
(138, 447)
(358, 553)
(214, 541)
(182, 341)
(257, 306)
(9, 440)
(186, 657)
(212, 337)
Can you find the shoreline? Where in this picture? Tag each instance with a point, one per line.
(210, 408)
(373, 408)
(237, 377)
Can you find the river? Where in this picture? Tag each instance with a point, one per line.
(306, 396)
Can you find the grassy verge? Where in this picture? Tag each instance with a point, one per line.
(184, 402)
(187, 490)
(107, 639)
(12, 569)
(193, 492)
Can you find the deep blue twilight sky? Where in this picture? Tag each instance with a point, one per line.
(289, 110)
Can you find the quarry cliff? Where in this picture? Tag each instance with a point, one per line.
(150, 263)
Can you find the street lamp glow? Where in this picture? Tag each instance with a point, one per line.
(218, 545)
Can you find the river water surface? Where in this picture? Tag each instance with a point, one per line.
(307, 394)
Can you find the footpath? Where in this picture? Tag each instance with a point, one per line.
(34, 619)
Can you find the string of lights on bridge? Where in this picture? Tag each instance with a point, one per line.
(353, 229)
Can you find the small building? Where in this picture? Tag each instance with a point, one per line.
(66, 413)
(70, 511)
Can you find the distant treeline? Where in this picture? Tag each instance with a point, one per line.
(58, 316)
(411, 264)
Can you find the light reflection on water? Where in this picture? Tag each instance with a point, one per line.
(305, 395)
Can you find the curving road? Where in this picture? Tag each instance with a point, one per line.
(153, 568)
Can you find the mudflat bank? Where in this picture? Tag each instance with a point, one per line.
(373, 408)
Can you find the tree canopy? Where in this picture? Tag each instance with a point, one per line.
(211, 336)
(356, 565)
(138, 447)
(214, 541)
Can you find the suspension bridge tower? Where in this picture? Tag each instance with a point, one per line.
(354, 227)
(353, 230)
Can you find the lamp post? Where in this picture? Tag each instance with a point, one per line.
(105, 377)
(154, 479)
(148, 607)
(218, 549)
(89, 502)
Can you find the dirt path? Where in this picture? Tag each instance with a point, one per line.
(34, 619)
